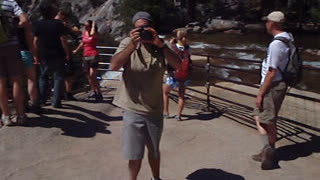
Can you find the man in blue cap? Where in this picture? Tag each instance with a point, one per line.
(143, 56)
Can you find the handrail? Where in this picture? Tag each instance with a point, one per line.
(307, 67)
(210, 65)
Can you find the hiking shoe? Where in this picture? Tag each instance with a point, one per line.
(268, 158)
(178, 118)
(91, 94)
(69, 97)
(21, 120)
(1, 124)
(155, 179)
(57, 106)
(257, 157)
(6, 121)
(98, 96)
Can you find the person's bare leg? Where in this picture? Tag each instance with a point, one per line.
(166, 91)
(154, 163)
(32, 85)
(4, 97)
(134, 168)
(18, 95)
(90, 81)
(93, 78)
(181, 102)
(68, 83)
(271, 130)
(261, 129)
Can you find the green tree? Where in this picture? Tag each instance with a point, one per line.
(163, 12)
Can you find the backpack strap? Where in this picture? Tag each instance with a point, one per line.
(286, 42)
(282, 39)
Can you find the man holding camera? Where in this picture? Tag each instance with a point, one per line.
(143, 57)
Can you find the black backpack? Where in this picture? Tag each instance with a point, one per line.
(8, 26)
(292, 73)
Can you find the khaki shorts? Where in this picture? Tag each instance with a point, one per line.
(10, 62)
(140, 131)
(272, 103)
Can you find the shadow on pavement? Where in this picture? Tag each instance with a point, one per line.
(304, 149)
(203, 116)
(212, 174)
(81, 127)
(304, 141)
(97, 114)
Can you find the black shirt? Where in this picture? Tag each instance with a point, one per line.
(22, 39)
(49, 32)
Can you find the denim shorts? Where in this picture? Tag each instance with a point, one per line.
(27, 58)
(174, 83)
(140, 131)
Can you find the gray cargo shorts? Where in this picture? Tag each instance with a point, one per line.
(140, 131)
(272, 103)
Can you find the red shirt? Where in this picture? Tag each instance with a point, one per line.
(89, 44)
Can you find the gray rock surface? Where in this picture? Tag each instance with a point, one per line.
(222, 25)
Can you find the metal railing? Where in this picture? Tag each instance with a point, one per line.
(209, 66)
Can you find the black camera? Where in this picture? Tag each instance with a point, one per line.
(145, 34)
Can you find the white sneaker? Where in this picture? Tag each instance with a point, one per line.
(6, 121)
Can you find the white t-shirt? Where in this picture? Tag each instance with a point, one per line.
(277, 56)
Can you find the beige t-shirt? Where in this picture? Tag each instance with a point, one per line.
(140, 89)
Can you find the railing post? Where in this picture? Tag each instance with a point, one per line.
(208, 68)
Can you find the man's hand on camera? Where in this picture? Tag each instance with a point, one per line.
(156, 40)
(135, 36)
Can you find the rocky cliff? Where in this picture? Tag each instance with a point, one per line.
(102, 11)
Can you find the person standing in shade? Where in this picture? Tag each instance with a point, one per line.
(65, 15)
(272, 89)
(51, 45)
(91, 57)
(29, 64)
(11, 66)
(143, 57)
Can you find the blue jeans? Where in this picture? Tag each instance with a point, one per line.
(57, 69)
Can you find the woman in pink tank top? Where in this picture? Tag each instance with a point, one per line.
(91, 57)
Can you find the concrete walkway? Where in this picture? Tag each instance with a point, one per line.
(82, 141)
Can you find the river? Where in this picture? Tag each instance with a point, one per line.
(253, 46)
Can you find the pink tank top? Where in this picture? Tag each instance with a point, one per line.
(89, 44)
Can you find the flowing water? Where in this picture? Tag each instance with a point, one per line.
(253, 46)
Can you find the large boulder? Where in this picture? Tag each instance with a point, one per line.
(103, 12)
(222, 25)
(255, 27)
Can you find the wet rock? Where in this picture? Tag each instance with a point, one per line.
(255, 27)
(315, 52)
(233, 31)
(193, 24)
(196, 29)
(187, 29)
(222, 25)
(208, 31)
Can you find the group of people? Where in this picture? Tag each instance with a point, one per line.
(44, 43)
(145, 104)
(141, 94)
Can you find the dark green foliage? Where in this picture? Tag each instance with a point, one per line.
(163, 12)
